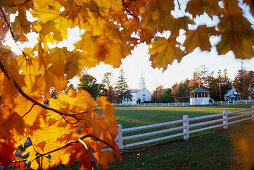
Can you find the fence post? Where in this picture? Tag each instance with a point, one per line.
(252, 107)
(225, 119)
(120, 137)
(186, 127)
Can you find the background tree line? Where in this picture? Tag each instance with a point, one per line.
(115, 93)
(218, 85)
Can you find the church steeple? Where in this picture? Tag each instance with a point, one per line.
(142, 84)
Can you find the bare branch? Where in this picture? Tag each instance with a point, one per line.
(128, 11)
(178, 4)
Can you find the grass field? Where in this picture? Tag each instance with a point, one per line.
(216, 149)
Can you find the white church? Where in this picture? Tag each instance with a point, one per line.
(140, 95)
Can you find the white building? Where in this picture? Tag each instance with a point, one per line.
(251, 94)
(200, 96)
(232, 95)
(140, 95)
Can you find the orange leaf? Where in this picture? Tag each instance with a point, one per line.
(107, 157)
(199, 38)
(236, 31)
(198, 7)
(42, 145)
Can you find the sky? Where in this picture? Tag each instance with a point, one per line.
(138, 63)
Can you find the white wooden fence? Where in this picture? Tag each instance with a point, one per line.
(188, 103)
(183, 127)
(155, 104)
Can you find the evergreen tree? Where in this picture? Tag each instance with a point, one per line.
(167, 96)
(89, 83)
(122, 91)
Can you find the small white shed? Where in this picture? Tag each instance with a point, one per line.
(200, 96)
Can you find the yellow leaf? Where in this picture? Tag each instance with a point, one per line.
(158, 15)
(179, 23)
(164, 51)
(58, 57)
(94, 46)
(51, 19)
(34, 164)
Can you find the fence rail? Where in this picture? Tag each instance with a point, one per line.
(183, 127)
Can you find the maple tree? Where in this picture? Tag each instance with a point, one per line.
(244, 83)
(74, 125)
(157, 94)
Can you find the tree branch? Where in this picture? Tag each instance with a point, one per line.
(11, 31)
(90, 154)
(178, 4)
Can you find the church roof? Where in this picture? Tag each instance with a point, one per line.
(134, 90)
(199, 89)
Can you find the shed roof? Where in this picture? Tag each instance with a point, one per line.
(199, 89)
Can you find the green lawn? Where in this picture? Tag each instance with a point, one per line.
(215, 149)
